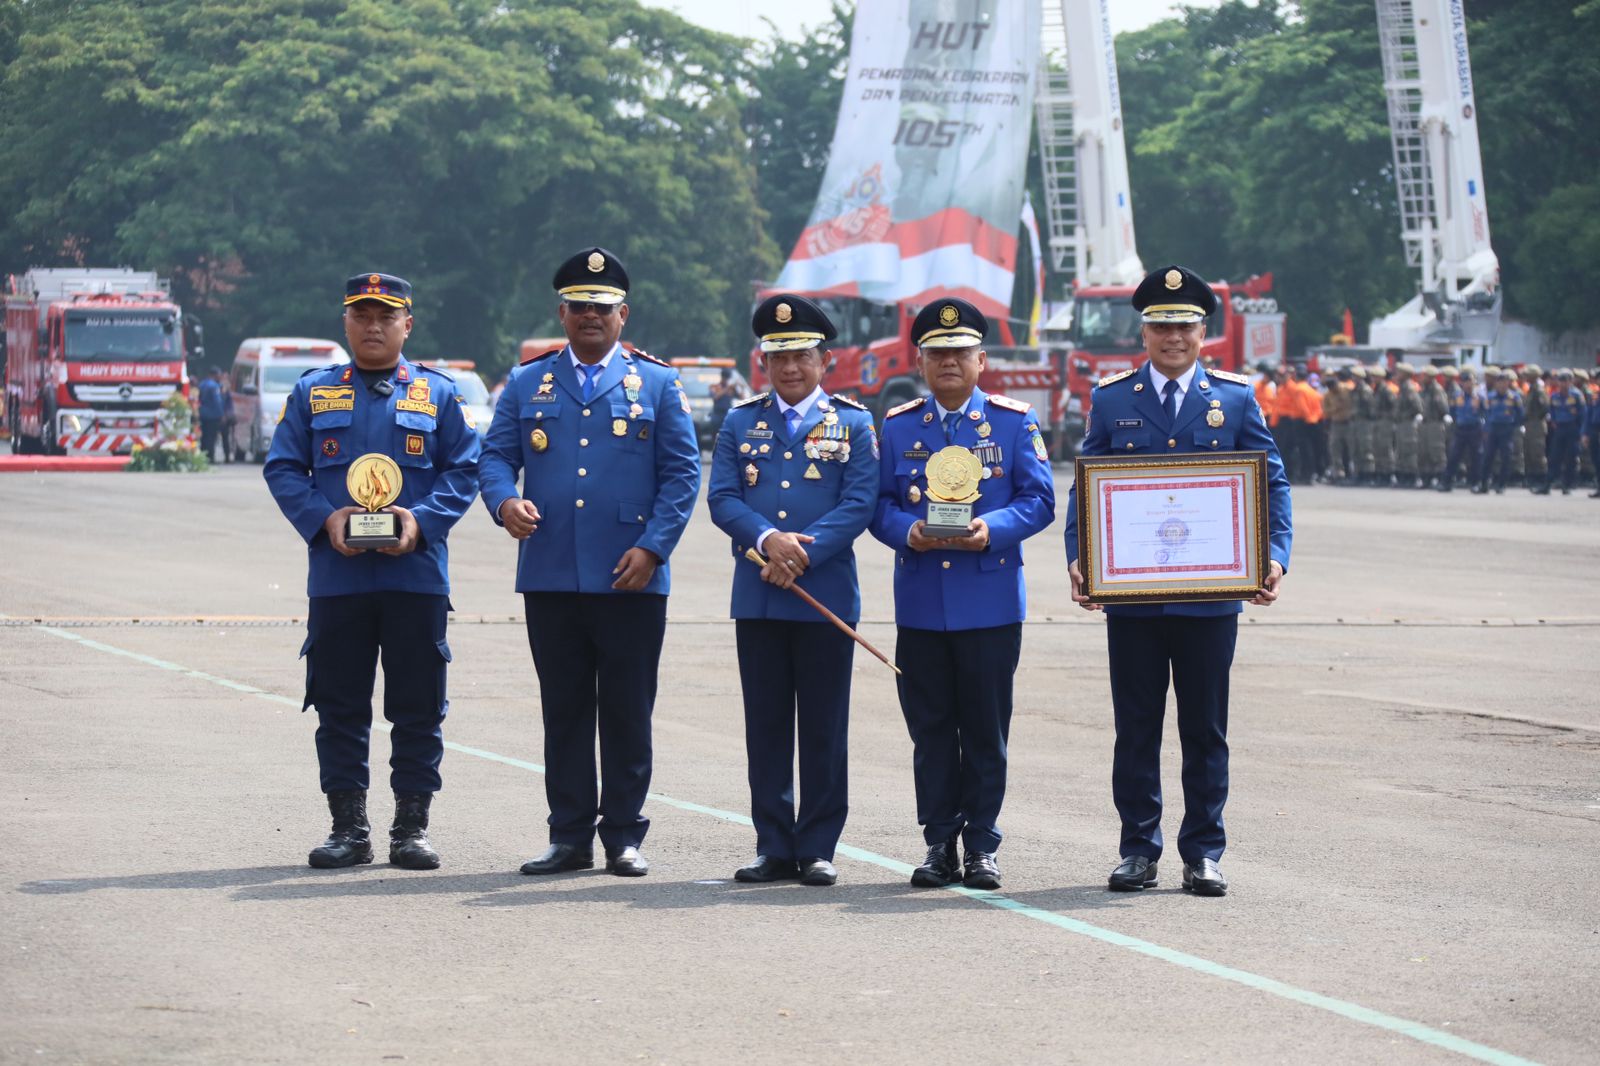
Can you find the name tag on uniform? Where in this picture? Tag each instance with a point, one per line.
(763, 434)
(542, 397)
(332, 398)
(1130, 423)
(915, 453)
(419, 406)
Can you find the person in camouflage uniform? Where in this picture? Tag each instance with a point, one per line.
(1407, 420)
(1363, 404)
(1385, 398)
(1338, 407)
(1582, 379)
(1536, 404)
(1433, 435)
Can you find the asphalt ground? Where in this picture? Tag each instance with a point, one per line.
(1413, 824)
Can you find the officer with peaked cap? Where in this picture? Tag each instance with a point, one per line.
(610, 470)
(404, 423)
(1536, 411)
(1502, 420)
(794, 474)
(959, 601)
(1169, 406)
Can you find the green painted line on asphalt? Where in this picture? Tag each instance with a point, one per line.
(1343, 1008)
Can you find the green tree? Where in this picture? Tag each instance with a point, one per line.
(261, 151)
(795, 90)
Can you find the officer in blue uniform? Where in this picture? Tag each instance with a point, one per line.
(959, 601)
(610, 470)
(1591, 437)
(389, 604)
(1467, 409)
(1172, 406)
(1502, 420)
(1567, 415)
(795, 475)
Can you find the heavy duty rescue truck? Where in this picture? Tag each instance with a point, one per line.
(91, 355)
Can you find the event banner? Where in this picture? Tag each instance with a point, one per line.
(924, 182)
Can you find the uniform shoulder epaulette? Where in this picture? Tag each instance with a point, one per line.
(908, 406)
(1228, 375)
(434, 370)
(541, 355)
(845, 401)
(640, 353)
(1112, 379)
(1008, 403)
(757, 398)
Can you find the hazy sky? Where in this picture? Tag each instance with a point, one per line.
(745, 17)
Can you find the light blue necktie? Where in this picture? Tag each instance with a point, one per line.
(951, 421)
(589, 373)
(793, 417)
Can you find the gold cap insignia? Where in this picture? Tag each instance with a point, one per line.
(949, 316)
(597, 262)
(784, 313)
(374, 280)
(1174, 280)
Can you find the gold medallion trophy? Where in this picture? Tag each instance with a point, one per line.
(374, 483)
(954, 475)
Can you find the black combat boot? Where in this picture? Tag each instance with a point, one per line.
(350, 843)
(408, 837)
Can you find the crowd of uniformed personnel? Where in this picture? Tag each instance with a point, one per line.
(592, 464)
(1418, 427)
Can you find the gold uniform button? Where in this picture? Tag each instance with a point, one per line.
(585, 412)
(1002, 560)
(788, 455)
(947, 564)
(583, 442)
(640, 517)
(1130, 445)
(783, 514)
(1172, 444)
(783, 484)
(1213, 444)
(580, 503)
(582, 472)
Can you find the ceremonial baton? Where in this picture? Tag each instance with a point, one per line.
(755, 557)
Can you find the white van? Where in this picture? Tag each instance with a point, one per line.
(264, 372)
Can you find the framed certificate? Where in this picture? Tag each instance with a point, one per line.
(1160, 529)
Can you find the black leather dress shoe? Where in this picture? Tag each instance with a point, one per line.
(980, 870)
(817, 872)
(626, 862)
(561, 858)
(1134, 874)
(766, 869)
(1204, 879)
(939, 868)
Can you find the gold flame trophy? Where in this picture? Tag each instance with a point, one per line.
(374, 483)
(954, 475)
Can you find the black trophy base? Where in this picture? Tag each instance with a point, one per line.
(376, 530)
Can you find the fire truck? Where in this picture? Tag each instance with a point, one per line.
(91, 354)
(1089, 237)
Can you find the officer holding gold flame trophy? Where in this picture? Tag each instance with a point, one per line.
(964, 479)
(372, 463)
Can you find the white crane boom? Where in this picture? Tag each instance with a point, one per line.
(1444, 216)
(1088, 209)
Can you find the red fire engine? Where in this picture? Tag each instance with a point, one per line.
(90, 356)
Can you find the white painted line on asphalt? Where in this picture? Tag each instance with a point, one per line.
(1344, 1009)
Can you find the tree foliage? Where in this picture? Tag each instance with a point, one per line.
(259, 151)
(262, 150)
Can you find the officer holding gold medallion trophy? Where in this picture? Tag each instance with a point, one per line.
(964, 479)
(373, 463)
(794, 476)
